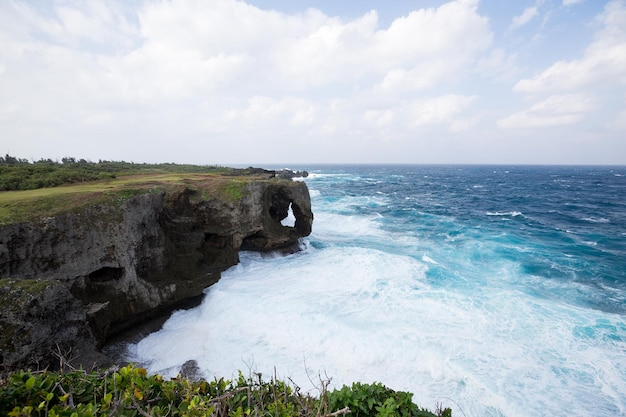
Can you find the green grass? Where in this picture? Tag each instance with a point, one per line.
(30, 205)
(45, 188)
(25, 206)
(234, 190)
(19, 174)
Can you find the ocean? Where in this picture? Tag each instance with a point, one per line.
(492, 290)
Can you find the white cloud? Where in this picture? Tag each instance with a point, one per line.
(498, 64)
(571, 2)
(431, 46)
(557, 110)
(378, 118)
(398, 80)
(80, 26)
(95, 22)
(217, 54)
(603, 62)
(99, 119)
(438, 110)
(288, 111)
(619, 122)
(189, 47)
(527, 15)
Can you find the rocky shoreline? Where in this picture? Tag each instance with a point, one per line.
(74, 281)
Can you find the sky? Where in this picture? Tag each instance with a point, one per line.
(227, 82)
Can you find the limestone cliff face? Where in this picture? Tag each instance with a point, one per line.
(124, 263)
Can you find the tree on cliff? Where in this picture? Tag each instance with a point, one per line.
(11, 160)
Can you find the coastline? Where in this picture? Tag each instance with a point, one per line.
(134, 260)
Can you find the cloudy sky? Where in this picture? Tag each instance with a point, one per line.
(297, 82)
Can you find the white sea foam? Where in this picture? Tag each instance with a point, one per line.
(317, 175)
(596, 220)
(505, 213)
(285, 312)
(290, 220)
(338, 227)
(429, 260)
(359, 314)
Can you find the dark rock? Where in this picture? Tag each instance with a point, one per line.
(289, 174)
(191, 371)
(116, 266)
(42, 326)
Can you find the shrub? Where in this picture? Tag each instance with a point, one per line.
(130, 391)
(376, 400)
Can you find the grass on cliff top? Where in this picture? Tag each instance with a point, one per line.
(30, 205)
(20, 174)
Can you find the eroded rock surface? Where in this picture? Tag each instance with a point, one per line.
(41, 323)
(112, 266)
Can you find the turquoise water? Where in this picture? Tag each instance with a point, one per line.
(496, 291)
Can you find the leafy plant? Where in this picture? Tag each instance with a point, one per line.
(131, 391)
(376, 400)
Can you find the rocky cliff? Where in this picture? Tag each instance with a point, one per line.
(73, 280)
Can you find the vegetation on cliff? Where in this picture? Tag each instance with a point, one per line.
(21, 174)
(46, 188)
(130, 391)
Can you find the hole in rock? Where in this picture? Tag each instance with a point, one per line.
(215, 241)
(290, 220)
(255, 241)
(106, 273)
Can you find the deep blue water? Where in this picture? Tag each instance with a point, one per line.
(497, 291)
(560, 225)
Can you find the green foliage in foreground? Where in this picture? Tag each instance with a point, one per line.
(130, 391)
(369, 400)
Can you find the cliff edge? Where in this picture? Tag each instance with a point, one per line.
(72, 280)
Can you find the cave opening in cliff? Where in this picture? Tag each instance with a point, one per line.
(290, 220)
(106, 273)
